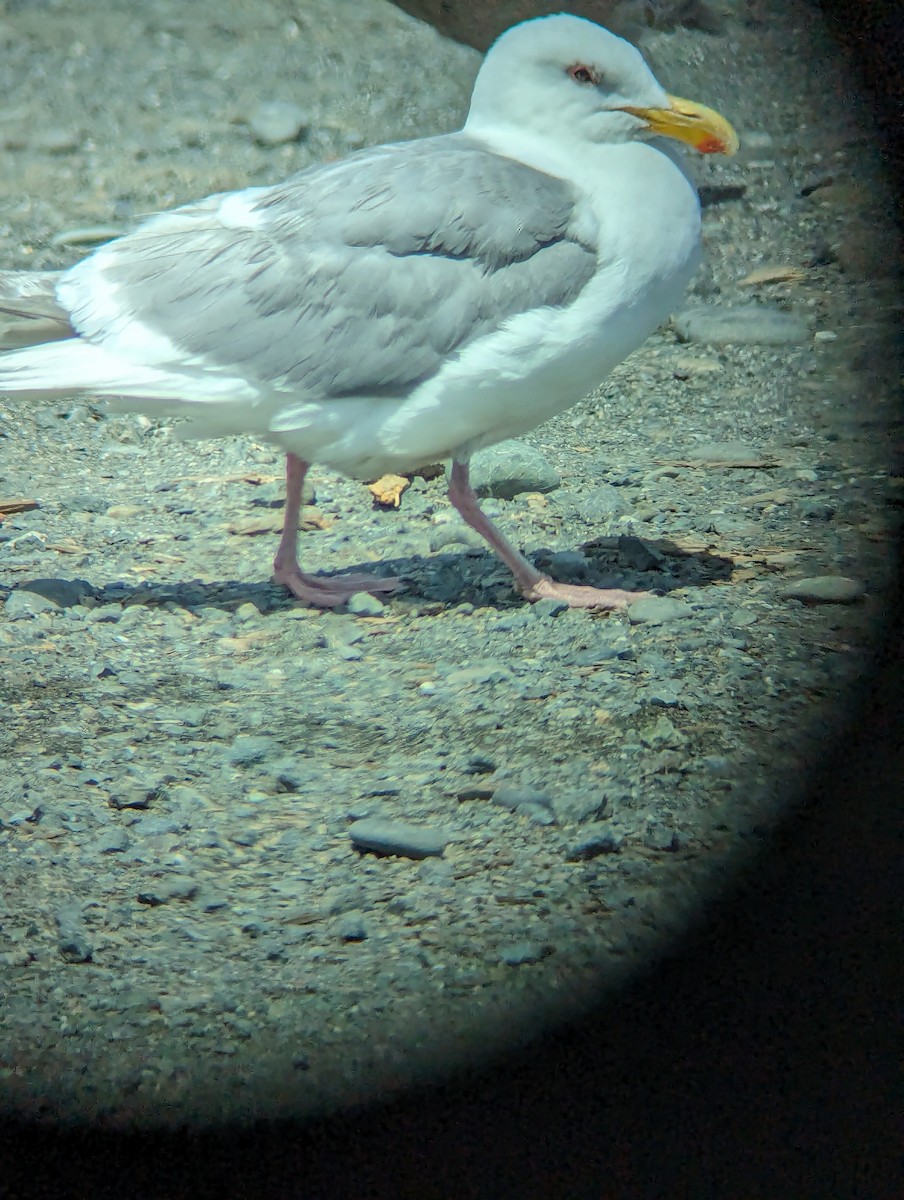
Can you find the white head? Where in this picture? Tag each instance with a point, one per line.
(562, 77)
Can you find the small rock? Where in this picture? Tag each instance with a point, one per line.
(74, 944)
(825, 589)
(157, 826)
(519, 953)
(736, 454)
(249, 749)
(658, 836)
(277, 121)
(512, 796)
(478, 764)
(453, 533)
(746, 324)
(20, 604)
(657, 610)
(509, 468)
(482, 673)
(124, 512)
(397, 837)
(596, 839)
(600, 503)
(537, 813)
(113, 842)
(172, 887)
(89, 502)
(547, 608)
(363, 604)
(567, 566)
(435, 872)
(351, 927)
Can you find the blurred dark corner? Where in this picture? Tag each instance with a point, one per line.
(763, 1060)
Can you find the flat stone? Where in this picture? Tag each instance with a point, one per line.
(825, 589)
(657, 610)
(481, 673)
(744, 324)
(513, 796)
(397, 837)
(519, 953)
(20, 603)
(509, 468)
(737, 454)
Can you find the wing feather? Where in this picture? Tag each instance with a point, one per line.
(354, 278)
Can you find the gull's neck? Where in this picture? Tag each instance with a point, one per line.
(566, 156)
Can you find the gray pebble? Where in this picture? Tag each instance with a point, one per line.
(519, 953)
(113, 842)
(435, 872)
(74, 944)
(21, 604)
(657, 610)
(89, 502)
(509, 468)
(825, 589)
(600, 503)
(538, 813)
(512, 796)
(736, 453)
(351, 927)
(156, 826)
(546, 608)
(170, 887)
(276, 121)
(453, 533)
(747, 324)
(488, 672)
(596, 839)
(567, 566)
(363, 604)
(659, 836)
(397, 837)
(248, 749)
(479, 764)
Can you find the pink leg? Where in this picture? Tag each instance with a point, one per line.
(528, 580)
(318, 590)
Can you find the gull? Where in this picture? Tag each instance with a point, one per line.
(413, 302)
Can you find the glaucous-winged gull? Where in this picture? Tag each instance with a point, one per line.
(412, 302)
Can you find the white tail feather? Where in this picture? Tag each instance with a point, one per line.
(64, 368)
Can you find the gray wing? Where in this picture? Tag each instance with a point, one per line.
(356, 278)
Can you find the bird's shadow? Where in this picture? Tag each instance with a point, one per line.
(656, 565)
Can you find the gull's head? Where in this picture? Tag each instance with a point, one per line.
(566, 78)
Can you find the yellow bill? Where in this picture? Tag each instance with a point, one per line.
(701, 127)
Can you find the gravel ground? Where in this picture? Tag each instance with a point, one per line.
(193, 925)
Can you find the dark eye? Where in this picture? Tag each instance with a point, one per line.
(584, 74)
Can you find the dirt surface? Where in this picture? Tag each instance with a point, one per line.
(188, 931)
